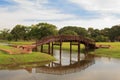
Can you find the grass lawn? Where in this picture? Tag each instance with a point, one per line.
(18, 58)
(66, 46)
(113, 51)
(21, 42)
(6, 58)
(9, 49)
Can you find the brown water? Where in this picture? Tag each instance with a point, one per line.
(88, 68)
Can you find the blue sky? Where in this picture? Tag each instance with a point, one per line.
(82, 13)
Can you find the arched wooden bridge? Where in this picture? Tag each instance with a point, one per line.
(58, 40)
(62, 38)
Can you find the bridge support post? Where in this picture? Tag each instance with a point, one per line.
(60, 51)
(48, 48)
(86, 48)
(41, 48)
(52, 49)
(78, 51)
(70, 52)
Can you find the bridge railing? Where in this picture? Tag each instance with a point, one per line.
(65, 38)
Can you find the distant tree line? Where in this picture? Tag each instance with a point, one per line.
(40, 30)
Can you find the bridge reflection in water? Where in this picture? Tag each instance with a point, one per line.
(54, 67)
(74, 66)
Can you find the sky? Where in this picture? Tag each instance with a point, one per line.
(98, 14)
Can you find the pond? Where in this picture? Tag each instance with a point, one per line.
(88, 68)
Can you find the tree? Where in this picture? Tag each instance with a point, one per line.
(105, 32)
(41, 30)
(5, 34)
(114, 32)
(9, 37)
(94, 33)
(79, 30)
(47, 30)
(99, 35)
(90, 32)
(34, 32)
(68, 32)
(19, 32)
(101, 38)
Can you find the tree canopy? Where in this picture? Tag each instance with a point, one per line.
(73, 30)
(40, 30)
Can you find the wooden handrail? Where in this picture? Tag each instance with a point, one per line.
(65, 38)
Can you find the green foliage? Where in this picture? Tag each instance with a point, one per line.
(47, 29)
(101, 38)
(69, 32)
(5, 35)
(114, 32)
(19, 32)
(40, 30)
(99, 35)
(34, 32)
(73, 30)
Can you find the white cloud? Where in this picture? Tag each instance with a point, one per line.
(109, 6)
(107, 9)
(37, 11)
(95, 23)
(29, 10)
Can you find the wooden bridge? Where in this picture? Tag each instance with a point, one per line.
(58, 40)
(62, 38)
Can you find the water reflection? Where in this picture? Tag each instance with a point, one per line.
(58, 69)
(88, 68)
(26, 66)
(53, 67)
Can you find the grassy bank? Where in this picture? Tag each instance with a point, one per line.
(66, 46)
(113, 51)
(9, 49)
(17, 58)
(24, 58)
(21, 42)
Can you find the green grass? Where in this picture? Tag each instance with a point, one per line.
(113, 51)
(24, 58)
(10, 49)
(21, 42)
(17, 58)
(66, 46)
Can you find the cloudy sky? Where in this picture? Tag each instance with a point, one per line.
(85, 13)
